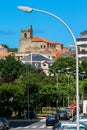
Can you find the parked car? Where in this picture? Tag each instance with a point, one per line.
(69, 111)
(68, 124)
(74, 128)
(64, 115)
(51, 119)
(5, 122)
(81, 117)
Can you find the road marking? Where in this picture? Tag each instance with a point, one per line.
(42, 120)
(42, 126)
(49, 126)
(34, 126)
(18, 128)
(27, 127)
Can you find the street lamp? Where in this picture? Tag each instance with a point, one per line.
(29, 10)
(57, 79)
(27, 85)
(68, 74)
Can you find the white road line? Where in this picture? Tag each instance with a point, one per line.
(34, 126)
(27, 127)
(49, 126)
(42, 126)
(42, 120)
(17, 128)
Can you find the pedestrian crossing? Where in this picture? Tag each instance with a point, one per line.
(43, 126)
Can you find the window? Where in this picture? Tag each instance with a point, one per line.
(44, 46)
(25, 35)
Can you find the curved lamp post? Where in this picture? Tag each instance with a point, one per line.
(29, 10)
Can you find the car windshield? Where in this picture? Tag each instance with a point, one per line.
(51, 116)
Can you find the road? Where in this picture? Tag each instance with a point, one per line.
(29, 125)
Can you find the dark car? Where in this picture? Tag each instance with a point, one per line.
(5, 122)
(51, 119)
(64, 115)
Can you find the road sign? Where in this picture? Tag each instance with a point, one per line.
(72, 107)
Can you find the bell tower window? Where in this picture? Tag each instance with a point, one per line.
(25, 35)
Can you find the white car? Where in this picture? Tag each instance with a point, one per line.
(66, 125)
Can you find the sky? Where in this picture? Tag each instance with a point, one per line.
(12, 20)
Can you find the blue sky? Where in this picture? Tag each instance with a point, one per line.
(12, 20)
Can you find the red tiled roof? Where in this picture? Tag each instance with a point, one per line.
(39, 39)
(6, 54)
(57, 52)
(60, 52)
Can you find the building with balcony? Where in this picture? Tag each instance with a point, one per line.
(82, 46)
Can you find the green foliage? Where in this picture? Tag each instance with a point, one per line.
(64, 62)
(19, 80)
(10, 69)
(11, 99)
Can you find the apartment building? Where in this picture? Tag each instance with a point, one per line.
(82, 46)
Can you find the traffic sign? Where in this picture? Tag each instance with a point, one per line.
(72, 107)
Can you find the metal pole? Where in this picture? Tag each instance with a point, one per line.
(57, 90)
(27, 93)
(28, 102)
(68, 87)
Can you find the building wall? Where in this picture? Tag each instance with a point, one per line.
(82, 46)
(3, 49)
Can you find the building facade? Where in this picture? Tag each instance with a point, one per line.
(82, 46)
(4, 52)
(39, 61)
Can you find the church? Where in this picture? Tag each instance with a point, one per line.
(29, 44)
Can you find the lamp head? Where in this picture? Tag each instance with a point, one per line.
(25, 9)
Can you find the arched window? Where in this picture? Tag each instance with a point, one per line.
(44, 46)
(41, 46)
(25, 35)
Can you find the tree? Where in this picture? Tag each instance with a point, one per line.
(11, 99)
(64, 62)
(10, 69)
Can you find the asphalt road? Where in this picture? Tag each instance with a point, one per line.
(18, 122)
(29, 125)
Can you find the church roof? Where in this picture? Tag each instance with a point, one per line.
(39, 39)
